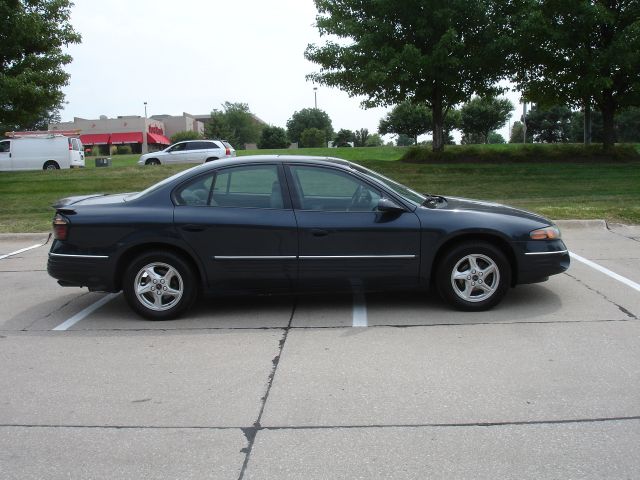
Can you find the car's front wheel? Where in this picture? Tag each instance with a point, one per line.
(160, 285)
(473, 276)
(152, 161)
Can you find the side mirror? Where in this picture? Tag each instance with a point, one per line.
(387, 205)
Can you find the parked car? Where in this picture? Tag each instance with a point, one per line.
(290, 223)
(41, 152)
(189, 151)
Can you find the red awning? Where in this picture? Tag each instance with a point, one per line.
(95, 139)
(127, 137)
(155, 138)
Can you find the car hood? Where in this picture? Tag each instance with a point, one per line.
(467, 204)
(94, 199)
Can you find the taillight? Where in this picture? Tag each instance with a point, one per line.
(228, 152)
(70, 144)
(60, 227)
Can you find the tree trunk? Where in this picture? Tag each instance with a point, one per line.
(608, 108)
(587, 122)
(438, 124)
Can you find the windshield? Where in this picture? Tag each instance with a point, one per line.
(400, 189)
(162, 183)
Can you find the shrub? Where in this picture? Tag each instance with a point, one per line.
(273, 137)
(529, 153)
(185, 135)
(313, 138)
(123, 150)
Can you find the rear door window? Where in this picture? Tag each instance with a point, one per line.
(5, 146)
(253, 186)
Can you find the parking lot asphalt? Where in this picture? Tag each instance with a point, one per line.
(546, 385)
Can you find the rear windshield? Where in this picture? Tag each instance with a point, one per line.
(164, 182)
(226, 144)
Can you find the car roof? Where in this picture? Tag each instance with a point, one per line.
(315, 160)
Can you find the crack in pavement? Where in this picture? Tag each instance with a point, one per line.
(620, 307)
(251, 432)
(336, 327)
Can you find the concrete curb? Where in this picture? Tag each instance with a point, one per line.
(41, 237)
(574, 224)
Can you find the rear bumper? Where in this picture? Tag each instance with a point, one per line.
(92, 271)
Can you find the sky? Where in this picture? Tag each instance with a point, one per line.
(193, 55)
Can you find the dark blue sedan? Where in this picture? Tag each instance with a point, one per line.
(282, 224)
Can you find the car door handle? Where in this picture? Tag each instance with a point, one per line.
(190, 227)
(317, 232)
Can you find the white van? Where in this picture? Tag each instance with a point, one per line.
(41, 152)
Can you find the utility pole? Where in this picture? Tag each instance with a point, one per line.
(315, 96)
(145, 109)
(524, 122)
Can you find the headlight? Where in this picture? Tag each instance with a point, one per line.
(546, 233)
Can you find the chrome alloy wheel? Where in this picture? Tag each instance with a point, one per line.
(475, 278)
(158, 286)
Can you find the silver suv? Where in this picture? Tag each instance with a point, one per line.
(189, 151)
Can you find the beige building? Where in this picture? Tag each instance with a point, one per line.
(142, 134)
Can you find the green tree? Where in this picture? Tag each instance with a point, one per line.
(374, 140)
(628, 125)
(405, 140)
(580, 53)
(495, 138)
(343, 137)
(234, 123)
(407, 119)
(32, 36)
(313, 138)
(482, 115)
(430, 52)
(360, 137)
(273, 137)
(185, 135)
(549, 125)
(309, 118)
(517, 133)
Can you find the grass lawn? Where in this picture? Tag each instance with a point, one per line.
(557, 190)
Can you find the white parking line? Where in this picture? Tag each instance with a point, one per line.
(84, 313)
(606, 271)
(359, 310)
(20, 251)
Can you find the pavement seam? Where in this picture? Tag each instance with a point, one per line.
(338, 427)
(620, 307)
(251, 432)
(610, 230)
(335, 327)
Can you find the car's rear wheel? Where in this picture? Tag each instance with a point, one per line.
(210, 159)
(152, 161)
(160, 285)
(473, 276)
(51, 165)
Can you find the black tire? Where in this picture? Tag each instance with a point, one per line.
(152, 161)
(166, 305)
(211, 159)
(480, 287)
(51, 165)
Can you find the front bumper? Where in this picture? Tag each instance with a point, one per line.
(538, 260)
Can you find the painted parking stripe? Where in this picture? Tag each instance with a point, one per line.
(20, 251)
(606, 271)
(86, 312)
(359, 310)
(25, 249)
